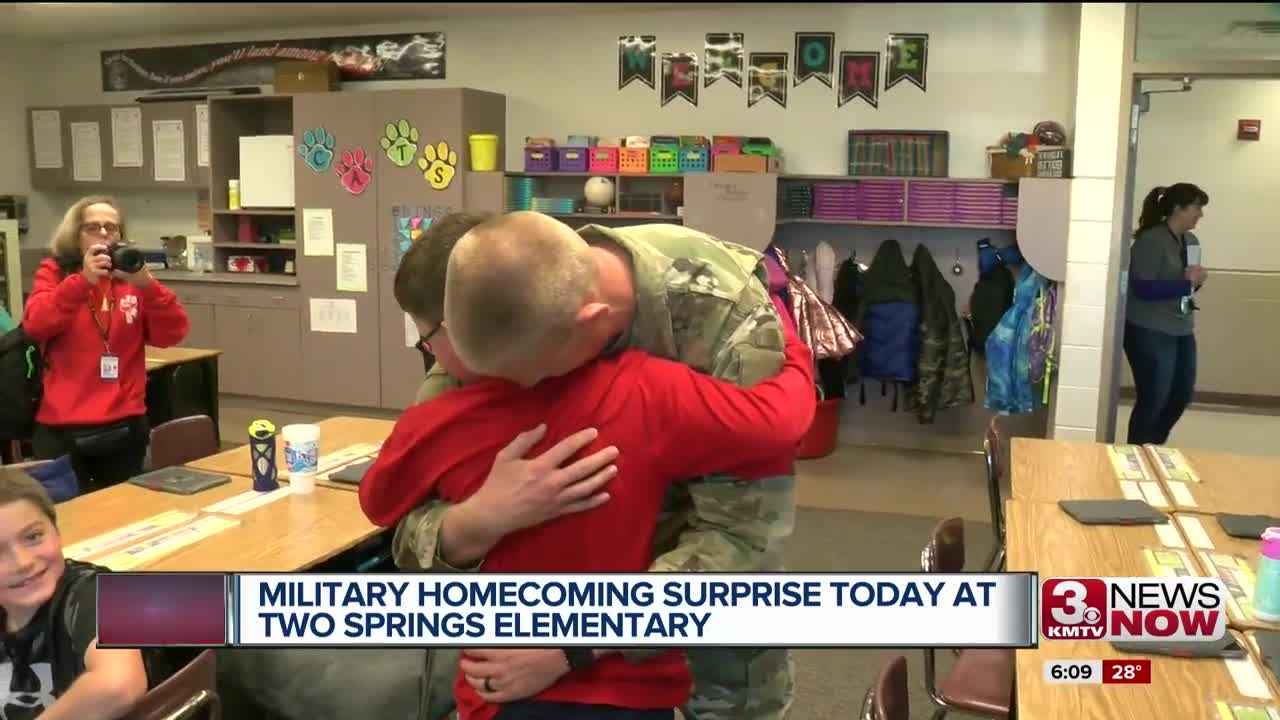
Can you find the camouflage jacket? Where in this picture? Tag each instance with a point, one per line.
(943, 379)
(705, 303)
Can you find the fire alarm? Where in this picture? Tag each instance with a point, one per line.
(1248, 129)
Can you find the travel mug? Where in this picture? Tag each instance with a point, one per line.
(1266, 595)
(262, 451)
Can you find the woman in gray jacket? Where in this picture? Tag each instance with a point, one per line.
(1159, 333)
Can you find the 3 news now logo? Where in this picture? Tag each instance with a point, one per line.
(1137, 609)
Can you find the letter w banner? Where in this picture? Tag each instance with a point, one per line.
(908, 60)
(815, 53)
(767, 78)
(636, 59)
(680, 77)
(860, 77)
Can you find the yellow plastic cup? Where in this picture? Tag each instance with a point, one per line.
(484, 152)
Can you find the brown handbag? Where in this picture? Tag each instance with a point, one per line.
(822, 327)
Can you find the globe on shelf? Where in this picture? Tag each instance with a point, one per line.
(598, 192)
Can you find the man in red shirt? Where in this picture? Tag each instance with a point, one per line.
(667, 421)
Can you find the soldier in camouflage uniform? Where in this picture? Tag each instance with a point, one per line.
(704, 303)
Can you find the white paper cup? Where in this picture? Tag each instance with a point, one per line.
(301, 456)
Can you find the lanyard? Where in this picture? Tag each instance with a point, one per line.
(108, 304)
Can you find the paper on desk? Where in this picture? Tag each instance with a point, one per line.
(317, 231)
(1169, 536)
(86, 152)
(1248, 680)
(334, 316)
(1154, 495)
(46, 137)
(169, 150)
(1130, 490)
(1237, 575)
(122, 536)
(1243, 711)
(126, 137)
(1182, 494)
(202, 135)
(246, 501)
(1195, 532)
(161, 545)
(1164, 562)
(352, 268)
(1175, 465)
(1127, 461)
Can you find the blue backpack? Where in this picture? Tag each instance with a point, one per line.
(1009, 346)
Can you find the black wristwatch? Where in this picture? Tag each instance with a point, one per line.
(579, 658)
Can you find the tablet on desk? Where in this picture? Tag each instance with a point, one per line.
(1226, 647)
(1113, 512)
(353, 473)
(179, 480)
(1248, 527)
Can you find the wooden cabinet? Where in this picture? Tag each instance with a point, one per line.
(256, 345)
(201, 334)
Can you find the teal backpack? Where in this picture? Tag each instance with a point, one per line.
(1020, 348)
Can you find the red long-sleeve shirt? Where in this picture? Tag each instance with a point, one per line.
(669, 423)
(58, 317)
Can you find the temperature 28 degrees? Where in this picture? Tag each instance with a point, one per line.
(1074, 672)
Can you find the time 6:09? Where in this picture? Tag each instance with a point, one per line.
(1073, 671)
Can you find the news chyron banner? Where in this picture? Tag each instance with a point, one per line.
(1134, 609)
(545, 610)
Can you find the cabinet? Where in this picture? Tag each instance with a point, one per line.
(256, 344)
(201, 334)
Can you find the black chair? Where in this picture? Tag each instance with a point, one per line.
(180, 441)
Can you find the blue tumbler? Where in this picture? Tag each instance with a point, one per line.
(262, 451)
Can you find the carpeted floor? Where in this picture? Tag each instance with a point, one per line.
(831, 683)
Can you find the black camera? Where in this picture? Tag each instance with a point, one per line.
(125, 258)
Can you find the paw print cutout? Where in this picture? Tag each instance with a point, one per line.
(438, 164)
(317, 149)
(400, 141)
(356, 170)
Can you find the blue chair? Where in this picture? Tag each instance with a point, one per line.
(57, 476)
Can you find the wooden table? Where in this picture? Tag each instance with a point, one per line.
(1252, 641)
(335, 434)
(1231, 483)
(1051, 470)
(181, 382)
(1196, 529)
(1041, 537)
(290, 534)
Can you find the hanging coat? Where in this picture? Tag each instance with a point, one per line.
(828, 333)
(943, 379)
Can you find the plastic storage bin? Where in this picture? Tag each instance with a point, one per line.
(571, 159)
(664, 159)
(633, 161)
(604, 160)
(539, 159)
(695, 158)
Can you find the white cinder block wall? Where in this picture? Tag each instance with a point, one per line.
(1089, 299)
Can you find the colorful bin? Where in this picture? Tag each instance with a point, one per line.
(572, 159)
(633, 161)
(695, 158)
(664, 159)
(539, 159)
(604, 160)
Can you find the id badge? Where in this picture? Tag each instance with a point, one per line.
(109, 367)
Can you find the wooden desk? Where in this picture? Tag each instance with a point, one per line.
(1191, 525)
(1231, 483)
(335, 434)
(195, 394)
(1252, 641)
(1043, 538)
(1050, 470)
(290, 534)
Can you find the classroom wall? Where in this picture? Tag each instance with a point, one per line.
(992, 68)
(14, 175)
(1191, 137)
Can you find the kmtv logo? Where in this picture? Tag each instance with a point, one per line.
(1140, 609)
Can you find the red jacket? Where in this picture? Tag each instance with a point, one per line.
(58, 317)
(669, 423)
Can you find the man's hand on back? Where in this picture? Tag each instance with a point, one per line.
(520, 493)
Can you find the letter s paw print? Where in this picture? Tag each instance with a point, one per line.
(356, 170)
(317, 149)
(400, 141)
(438, 165)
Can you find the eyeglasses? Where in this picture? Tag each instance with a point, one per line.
(424, 342)
(97, 228)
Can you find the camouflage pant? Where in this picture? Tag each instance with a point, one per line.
(729, 684)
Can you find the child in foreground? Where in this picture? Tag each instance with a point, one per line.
(50, 664)
(668, 422)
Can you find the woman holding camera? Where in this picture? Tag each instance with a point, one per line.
(93, 308)
(1159, 333)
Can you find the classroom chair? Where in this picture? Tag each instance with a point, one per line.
(980, 681)
(888, 699)
(188, 694)
(992, 448)
(180, 441)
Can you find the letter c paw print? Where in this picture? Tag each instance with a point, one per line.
(438, 165)
(356, 170)
(317, 149)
